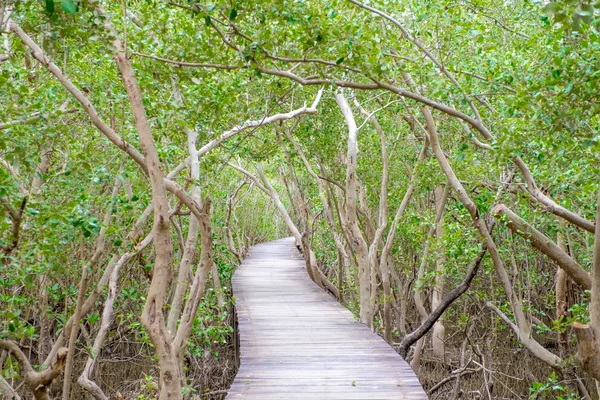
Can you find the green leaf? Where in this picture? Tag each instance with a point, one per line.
(550, 8)
(207, 20)
(232, 14)
(50, 6)
(569, 88)
(588, 143)
(556, 73)
(68, 6)
(339, 60)
(93, 318)
(586, 11)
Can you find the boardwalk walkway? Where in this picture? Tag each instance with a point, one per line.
(297, 342)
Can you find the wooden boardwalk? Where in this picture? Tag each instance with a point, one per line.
(297, 342)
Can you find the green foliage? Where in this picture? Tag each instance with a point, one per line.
(69, 6)
(572, 14)
(531, 69)
(553, 389)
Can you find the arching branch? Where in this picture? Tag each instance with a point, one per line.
(38, 382)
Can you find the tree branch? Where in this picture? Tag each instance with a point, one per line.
(38, 382)
(446, 302)
(544, 244)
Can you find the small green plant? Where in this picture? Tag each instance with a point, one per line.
(148, 388)
(552, 389)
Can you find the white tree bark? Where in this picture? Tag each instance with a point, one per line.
(382, 214)
(358, 241)
(522, 328)
(338, 238)
(250, 124)
(189, 251)
(438, 334)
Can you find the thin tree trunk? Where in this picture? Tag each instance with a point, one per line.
(418, 297)
(415, 363)
(588, 335)
(85, 378)
(100, 245)
(418, 287)
(385, 262)
(356, 237)
(152, 316)
(214, 273)
(189, 251)
(132, 236)
(198, 285)
(382, 217)
(522, 328)
(561, 294)
(323, 195)
(231, 200)
(66, 394)
(438, 335)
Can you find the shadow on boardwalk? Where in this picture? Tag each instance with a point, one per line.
(297, 342)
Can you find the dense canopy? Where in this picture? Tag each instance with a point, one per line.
(435, 160)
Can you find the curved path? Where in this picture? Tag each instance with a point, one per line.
(297, 342)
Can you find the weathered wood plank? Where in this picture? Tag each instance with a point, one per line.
(297, 342)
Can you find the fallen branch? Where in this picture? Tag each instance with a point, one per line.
(457, 374)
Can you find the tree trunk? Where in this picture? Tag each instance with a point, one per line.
(382, 217)
(385, 262)
(561, 293)
(356, 237)
(198, 285)
(152, 316)
(588, 336)
(522, 327)
(324, 197)
(437, 337)
(189, 250)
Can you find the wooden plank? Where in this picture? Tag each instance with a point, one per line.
(297, 342)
